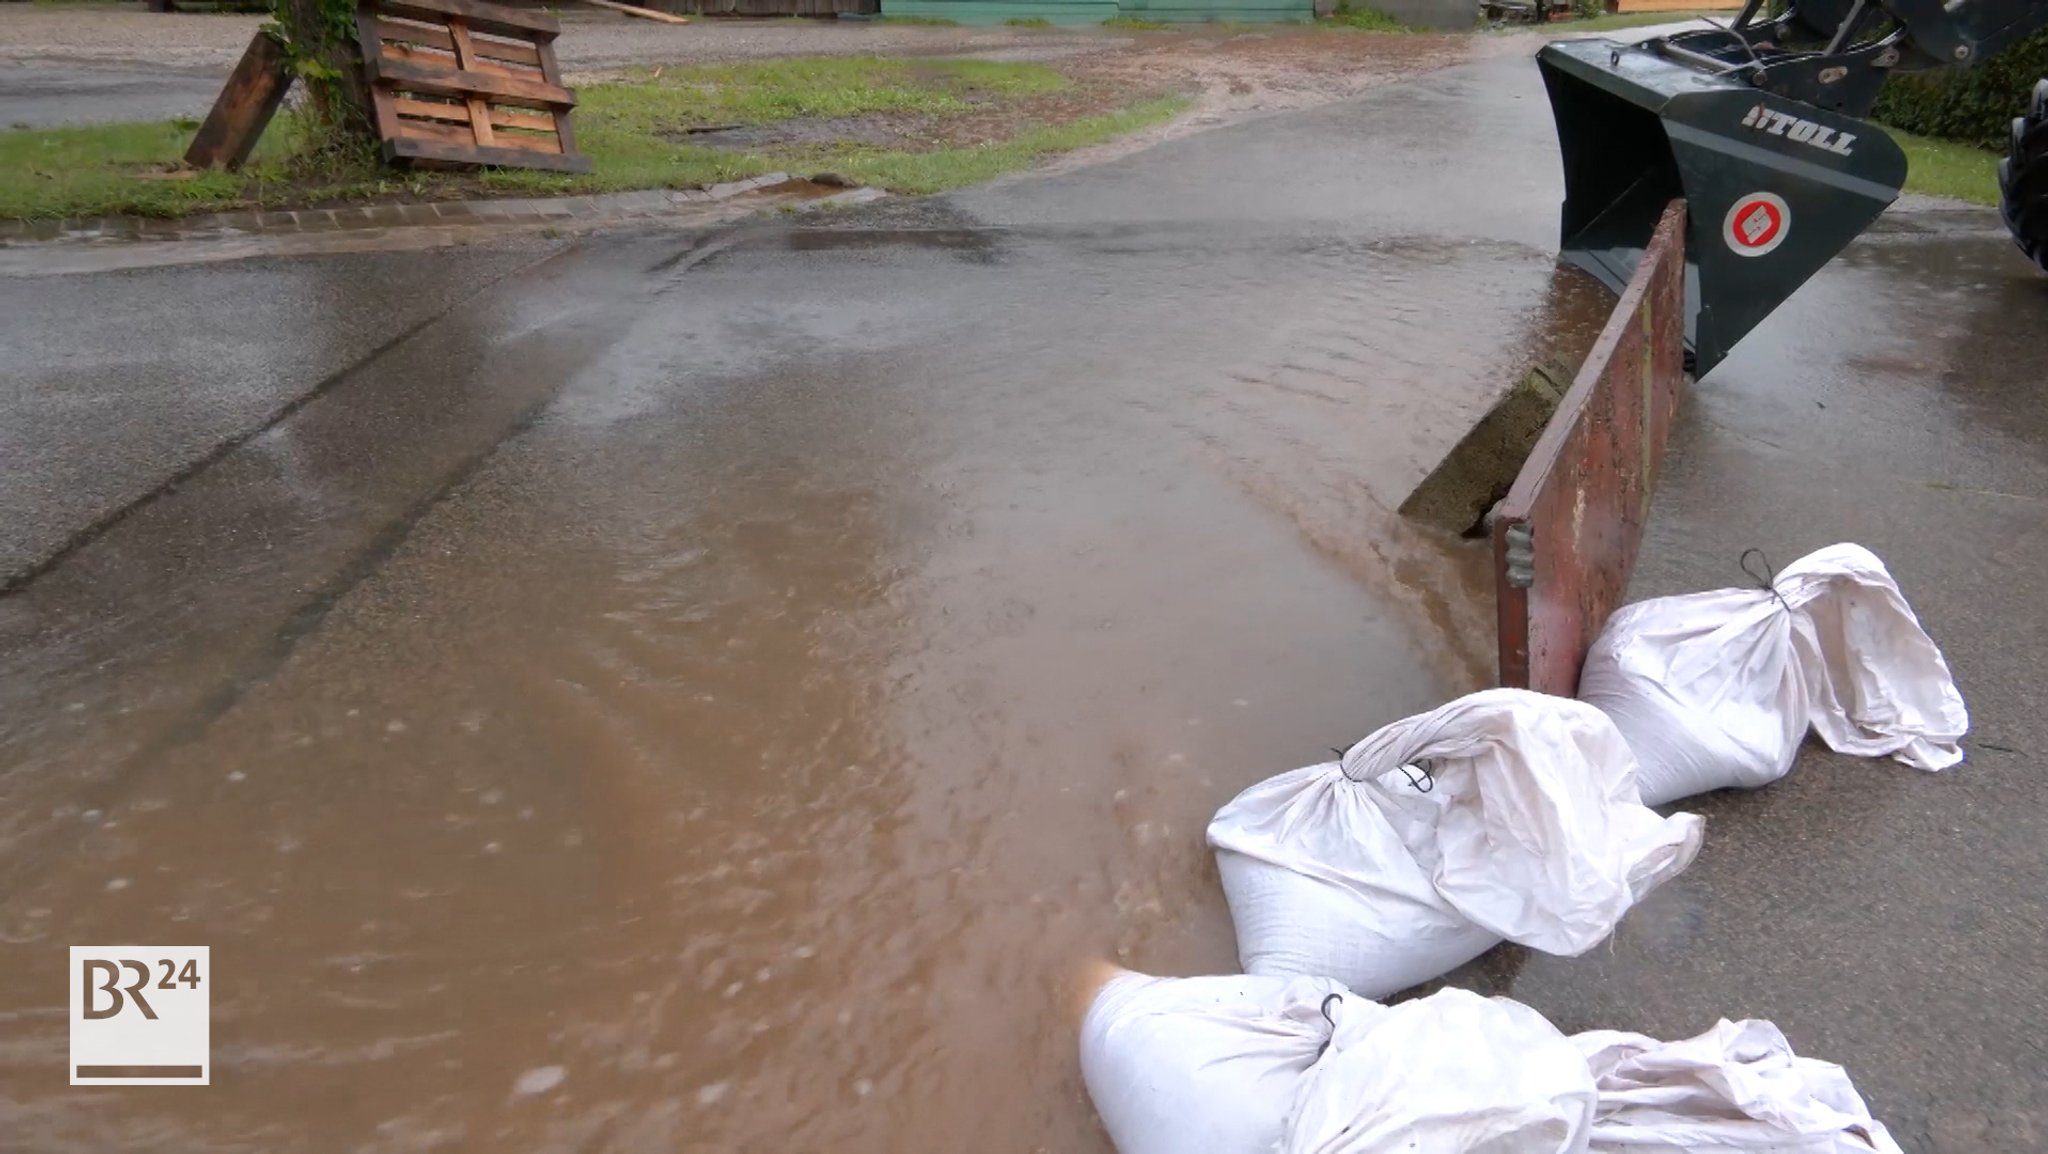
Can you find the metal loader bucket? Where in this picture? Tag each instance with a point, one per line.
(1774, 188)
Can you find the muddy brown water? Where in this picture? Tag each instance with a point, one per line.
(757, 791)
(714, 697)
(745, 766)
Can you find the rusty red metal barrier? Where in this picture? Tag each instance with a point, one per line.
(1565, 538)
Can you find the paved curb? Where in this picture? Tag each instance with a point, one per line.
(567, 210)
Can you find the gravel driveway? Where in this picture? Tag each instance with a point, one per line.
(596, 40)
(140, 66)
(72, 66)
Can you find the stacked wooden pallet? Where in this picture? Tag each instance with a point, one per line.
(460, 82)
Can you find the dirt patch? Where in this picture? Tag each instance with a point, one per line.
(1235, 77)
(1271, 71)
(1091, 96)
(875, 131)
(1230, 76)
(988, 120)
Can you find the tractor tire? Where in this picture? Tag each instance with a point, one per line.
(2023, 180)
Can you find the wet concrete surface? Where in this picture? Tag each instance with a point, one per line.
(1889, 920)
(708, 691)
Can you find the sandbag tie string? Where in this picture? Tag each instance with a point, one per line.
(1768, 582)
(1325, 1011)
(1420, 784)
(1423, 783)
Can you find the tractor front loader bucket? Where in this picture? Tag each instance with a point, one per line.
(1774, 188)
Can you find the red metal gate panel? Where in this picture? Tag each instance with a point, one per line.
(1565, 538)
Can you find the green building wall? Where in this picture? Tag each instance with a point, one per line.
(1097, 11)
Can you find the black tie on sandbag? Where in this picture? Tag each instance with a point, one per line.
(1325, 1011)
(1422, 784)
(1768, 582)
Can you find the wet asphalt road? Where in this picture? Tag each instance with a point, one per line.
(45, 95)
(707, 692)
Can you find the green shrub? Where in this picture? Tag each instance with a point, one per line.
(1975, 105)
(1364, 19)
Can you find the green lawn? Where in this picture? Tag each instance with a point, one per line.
(1362, 20)
(1945, 168)
(117, 168)
(1615, 21)
(637, 134)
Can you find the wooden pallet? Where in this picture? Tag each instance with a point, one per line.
(461, 82)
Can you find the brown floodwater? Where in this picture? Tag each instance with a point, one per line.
(715, 697)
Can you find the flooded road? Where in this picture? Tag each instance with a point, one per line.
(709, 693)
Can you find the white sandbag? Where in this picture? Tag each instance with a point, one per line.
(1716, 690)
(1201, 1065)
(1250, 1065)
(1504, 814)
(1737, 1087)
(1453, 1073)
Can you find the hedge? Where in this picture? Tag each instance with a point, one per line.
(1974, 105)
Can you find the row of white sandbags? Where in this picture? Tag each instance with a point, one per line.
(1252, 1065)
(1510, 814)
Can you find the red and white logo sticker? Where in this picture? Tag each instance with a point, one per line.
(1757, 224)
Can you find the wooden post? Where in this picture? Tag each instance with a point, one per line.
(254, 93)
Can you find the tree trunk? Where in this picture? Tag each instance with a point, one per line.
(320, 37)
